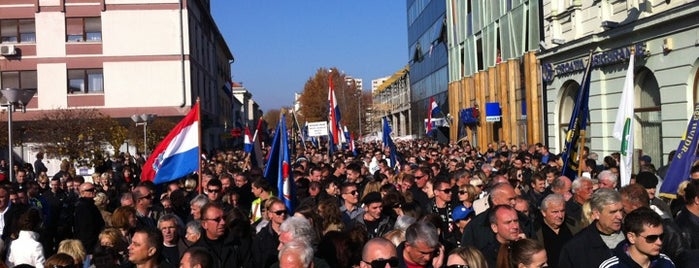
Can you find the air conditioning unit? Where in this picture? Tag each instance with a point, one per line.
(8, 50)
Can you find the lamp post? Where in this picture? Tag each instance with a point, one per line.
(14, 96)
(143, 120)
(359, 111)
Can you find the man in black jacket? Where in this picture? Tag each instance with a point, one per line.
(88, 222)
(226, 251)
(688, 217)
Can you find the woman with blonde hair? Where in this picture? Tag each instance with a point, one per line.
(466, 256)
(467, 194)
(372, 186)
(101, 201)
(75, 249)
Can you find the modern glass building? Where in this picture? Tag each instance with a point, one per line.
(428, 59)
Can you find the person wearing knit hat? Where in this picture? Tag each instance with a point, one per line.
(649, 181)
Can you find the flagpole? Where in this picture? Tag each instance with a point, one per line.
(199, 154)
(298, 127)
(581, 147)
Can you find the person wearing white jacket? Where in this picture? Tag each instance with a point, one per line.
(26, 249)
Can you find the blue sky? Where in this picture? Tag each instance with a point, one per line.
(278, 45)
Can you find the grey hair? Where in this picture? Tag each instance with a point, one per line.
(577, 183)
(422, 231)
(199, 200)
(299, 228)
(403, 222)
(603, 197)
(194, 226)
(607, 175)
(298, 247)
(169, 217)
(550, 199)
(559, 182)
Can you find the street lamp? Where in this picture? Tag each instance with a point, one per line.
(359, 111)
(143, 120)
(14, 96)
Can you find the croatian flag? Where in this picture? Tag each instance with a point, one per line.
(178, 154)
(333, 113)
(247, 139)
(278, 167)
(434, 108)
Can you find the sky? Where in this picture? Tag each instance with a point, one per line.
(279, 45)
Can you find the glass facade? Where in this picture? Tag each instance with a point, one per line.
(429, 74)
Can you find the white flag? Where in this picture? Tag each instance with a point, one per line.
(623, 127)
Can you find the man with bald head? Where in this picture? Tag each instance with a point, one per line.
(378, 251)
(479, 233)
(88, 221)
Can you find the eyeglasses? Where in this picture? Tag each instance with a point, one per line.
(458, 266)
(397, 205)
(214, 190)
(381, 263)
(479, 186)
(89, 190)
(463, 192)
(280, 212)
(353, 192)
(217, 219)
(653, 238)
(149, 196)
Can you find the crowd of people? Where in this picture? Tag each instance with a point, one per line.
(440, 205)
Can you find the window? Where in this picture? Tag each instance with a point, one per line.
(84, 29)
(21, 79)
(85, 81)
(17, 31)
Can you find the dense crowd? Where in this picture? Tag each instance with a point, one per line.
(441, 205)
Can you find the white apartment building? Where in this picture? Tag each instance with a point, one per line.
(121, 57)
(358, 81)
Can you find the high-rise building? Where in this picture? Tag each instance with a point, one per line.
(119, 57)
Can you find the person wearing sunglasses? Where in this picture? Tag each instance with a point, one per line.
(265, 245)
(379, 252)
(88, 222)
(466, 257)
(225, 251)
(350, 203)
(144, 202)
(643, 229)
(675, 242)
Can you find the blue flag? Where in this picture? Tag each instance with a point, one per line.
(272, 166)
(576, 127)
(388, 142)
(285, 182)
(684, 158)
